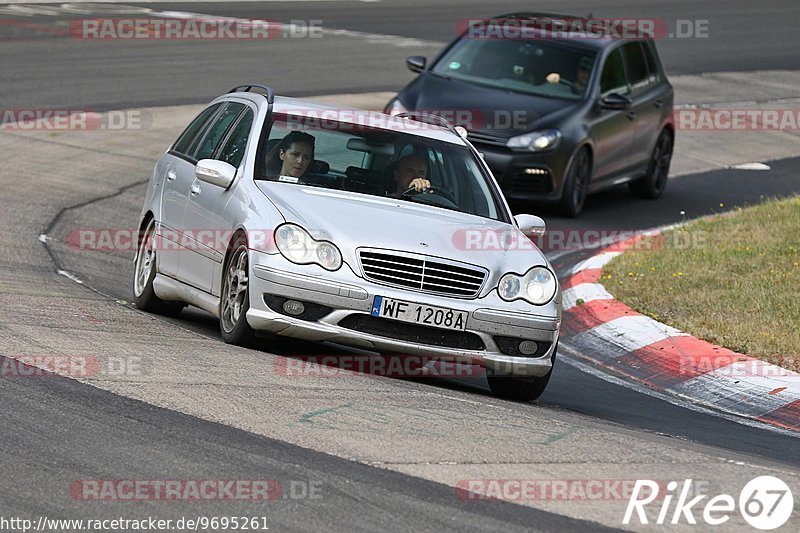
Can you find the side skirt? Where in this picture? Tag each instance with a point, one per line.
(171, 290)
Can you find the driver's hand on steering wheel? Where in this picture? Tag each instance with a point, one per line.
(420, 184)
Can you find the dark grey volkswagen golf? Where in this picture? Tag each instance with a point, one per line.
(556, 114)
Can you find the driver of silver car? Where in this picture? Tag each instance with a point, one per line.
(410, 171)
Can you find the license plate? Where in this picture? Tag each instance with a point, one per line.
(427, 315)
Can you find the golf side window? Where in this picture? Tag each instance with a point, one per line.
(638, 70)
(613, 79)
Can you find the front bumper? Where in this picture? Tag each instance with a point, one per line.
(353, 297)
(526, 176)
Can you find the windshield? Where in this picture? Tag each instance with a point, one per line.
(349, 157)
(529, 66)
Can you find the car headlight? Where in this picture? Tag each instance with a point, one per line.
(537, 286)
(537, 141)
(295, 244)
(394, 107)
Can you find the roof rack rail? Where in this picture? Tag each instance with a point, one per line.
(536, 15)
(270, 92)
(429, 118)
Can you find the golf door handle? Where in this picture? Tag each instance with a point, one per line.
(171, 175)
(659, 103)
(195, 189)
(632, 115)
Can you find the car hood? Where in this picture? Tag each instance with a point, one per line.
(489, 110)
(352, 220)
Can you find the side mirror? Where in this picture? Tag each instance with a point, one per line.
(416, 63)
(530, 225)
(616, 101)
(215, 172)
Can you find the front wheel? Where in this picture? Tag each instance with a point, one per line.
(144, 272)
(521, 388)
(655, 181)
(235, 299)
(576, 184)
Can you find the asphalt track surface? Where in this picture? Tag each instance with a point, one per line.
(45, 68)
(99, 432)
(56, 417)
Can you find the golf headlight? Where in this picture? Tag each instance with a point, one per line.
(537, 286)
(394, 107)
(537, 141)
(296, 245)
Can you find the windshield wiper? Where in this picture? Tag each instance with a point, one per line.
(440, 75)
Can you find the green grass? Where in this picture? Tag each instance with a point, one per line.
(733, 280)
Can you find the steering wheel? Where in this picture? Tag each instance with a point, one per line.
(444, 195)
(568, 83)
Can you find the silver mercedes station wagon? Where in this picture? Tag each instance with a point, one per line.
(389, 234)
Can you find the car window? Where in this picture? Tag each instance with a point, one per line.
(530, 66)
(613, 77)
(652, 63)
(333, 150)
(233, 150)
(203, 147)
(638, 73)
(367, 160)
(183, 142)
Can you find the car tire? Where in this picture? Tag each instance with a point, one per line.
(655, 181)
(144, 272)
(525, 389)
(576, 184)
(235, 296)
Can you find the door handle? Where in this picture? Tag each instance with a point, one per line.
(171, 175)
(659, 103)
(195, 189)
(632, 115)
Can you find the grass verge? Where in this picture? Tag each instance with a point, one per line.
(732, 280)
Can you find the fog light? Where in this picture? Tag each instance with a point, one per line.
(293, 307)
(528, 347)
(535, 171)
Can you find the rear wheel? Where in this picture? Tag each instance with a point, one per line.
(654, 183)
(576, 184)
(521, 388)
(235, 299)
(144, 272)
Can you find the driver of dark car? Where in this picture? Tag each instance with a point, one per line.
(582, 74)
(410, 171)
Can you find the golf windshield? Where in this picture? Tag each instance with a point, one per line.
(530, 66)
